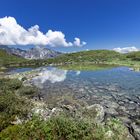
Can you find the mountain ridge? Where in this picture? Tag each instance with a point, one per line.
(39, 52)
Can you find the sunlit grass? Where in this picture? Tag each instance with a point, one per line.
(86, 67)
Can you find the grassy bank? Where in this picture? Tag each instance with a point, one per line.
(15, 124)
(86, 66)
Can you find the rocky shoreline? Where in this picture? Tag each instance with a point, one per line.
(106, 109)
(111, 104)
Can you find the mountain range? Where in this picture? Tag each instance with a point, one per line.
(38, 52)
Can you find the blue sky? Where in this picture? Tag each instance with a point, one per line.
(103, 24)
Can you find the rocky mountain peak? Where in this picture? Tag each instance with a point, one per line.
(37, 52)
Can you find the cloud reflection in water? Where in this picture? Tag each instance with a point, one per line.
(53, 75)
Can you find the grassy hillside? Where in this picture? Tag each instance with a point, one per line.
(87, 59)
(134, 56)
(6, 58)
(95, 56)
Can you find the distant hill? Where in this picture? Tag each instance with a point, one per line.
(90, 56)
(6, 58)
(33, 53)
(134, 56)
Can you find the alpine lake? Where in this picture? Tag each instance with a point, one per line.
(115, 88)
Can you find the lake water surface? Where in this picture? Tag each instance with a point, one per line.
(113, 81)
(120, 77)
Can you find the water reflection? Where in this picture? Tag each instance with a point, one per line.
(51, 78)
(78, 72)
(53, 75)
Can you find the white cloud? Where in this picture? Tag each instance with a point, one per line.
(57, 38)
(78, 43)
(11, 33)
(126, 49)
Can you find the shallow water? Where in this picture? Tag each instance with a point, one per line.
(18, 70)
(120, 80)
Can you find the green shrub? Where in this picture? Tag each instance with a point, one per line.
(58, 128)
(10, 84)
(11, 105)
(24, 78)
(65, 128)
(27, 91)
